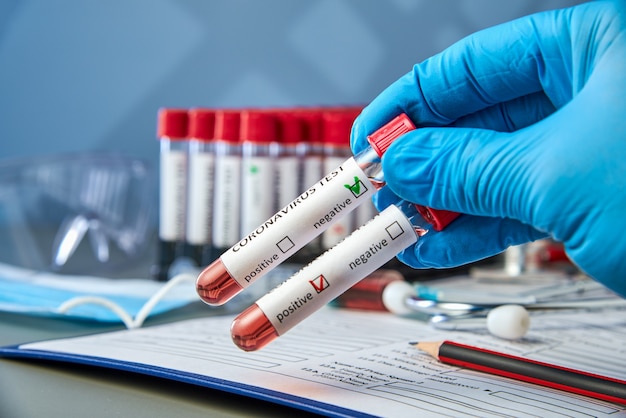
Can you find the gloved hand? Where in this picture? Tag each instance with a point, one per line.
(522, 128)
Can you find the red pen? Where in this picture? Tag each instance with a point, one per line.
(527, 370)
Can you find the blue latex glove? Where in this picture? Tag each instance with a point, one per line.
(522, 127)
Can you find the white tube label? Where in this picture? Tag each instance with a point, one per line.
(338, 269)
(292, 227)
(257, 192)
(172, 199)
(200, 198)
(227, 200)
(312, 169)
(288, 179)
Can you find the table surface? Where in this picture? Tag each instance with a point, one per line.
(37, 388)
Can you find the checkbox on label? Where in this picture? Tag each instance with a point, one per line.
(394, 230)
(285, 244)
(357, 188)
(319, 283)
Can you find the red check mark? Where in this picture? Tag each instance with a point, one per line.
(319, 283)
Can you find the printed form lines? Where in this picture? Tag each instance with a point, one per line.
(555, 398)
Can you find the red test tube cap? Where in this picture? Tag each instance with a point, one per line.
(201, 124)
(172, 123)
(291, 127)
(258, 126)
(337, 125)
(380, 142)
(383, 137)
(227, 125)
(312, 119)
(438, 218)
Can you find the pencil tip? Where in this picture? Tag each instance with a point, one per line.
(413, 342)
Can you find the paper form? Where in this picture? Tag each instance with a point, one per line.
(362, 361)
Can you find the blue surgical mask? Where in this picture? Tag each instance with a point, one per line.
(92, 298)
(101, 299)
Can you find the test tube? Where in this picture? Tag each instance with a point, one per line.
(258, 129)
(336, 127)
(310, 150)
(285, 149)
(367, 210)
(172, 135)
(226, 193)
(310, 214)
(331, 274)
(368, 294)
(200, 185)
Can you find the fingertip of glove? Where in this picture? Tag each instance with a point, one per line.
(358, 135)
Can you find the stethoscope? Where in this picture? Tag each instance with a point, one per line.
(504, 320)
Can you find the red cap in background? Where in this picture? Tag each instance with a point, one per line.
(227, 125)
(312, 119)
(201, 124)
(258, 126)
(337, 125)
(172, 123)
(291, 127)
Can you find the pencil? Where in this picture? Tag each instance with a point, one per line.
(523, 369)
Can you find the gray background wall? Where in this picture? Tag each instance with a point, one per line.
(90, 75)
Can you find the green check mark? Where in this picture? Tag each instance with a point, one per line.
(354, 188)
